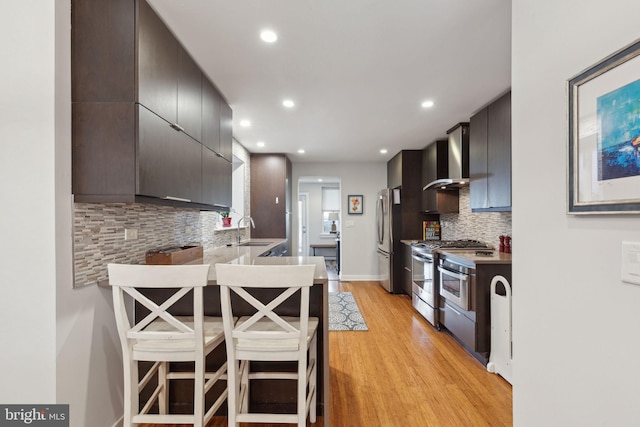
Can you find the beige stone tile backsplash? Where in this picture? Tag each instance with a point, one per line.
(99, 231)
(483, 226)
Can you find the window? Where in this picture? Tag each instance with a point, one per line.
(330, 210)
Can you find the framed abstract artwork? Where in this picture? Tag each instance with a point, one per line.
(355, 204)
(604, 135)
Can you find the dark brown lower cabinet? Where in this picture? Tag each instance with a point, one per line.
(406, 269)
(473, 328)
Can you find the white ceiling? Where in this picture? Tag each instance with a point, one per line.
(358, 70)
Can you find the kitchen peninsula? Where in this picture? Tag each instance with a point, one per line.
(264, 394)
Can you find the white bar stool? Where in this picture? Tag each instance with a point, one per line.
(266, 336)
(161, 337)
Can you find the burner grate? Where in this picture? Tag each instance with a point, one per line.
(430, 245)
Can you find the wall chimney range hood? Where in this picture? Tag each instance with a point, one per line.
(458, 156)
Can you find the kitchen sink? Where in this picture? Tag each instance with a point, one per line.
(255, 243)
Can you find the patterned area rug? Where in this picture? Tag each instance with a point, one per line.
(344, 314)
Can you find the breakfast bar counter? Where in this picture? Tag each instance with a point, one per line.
(266, 396)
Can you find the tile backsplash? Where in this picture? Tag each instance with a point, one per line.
(99, 230)
(484, 226)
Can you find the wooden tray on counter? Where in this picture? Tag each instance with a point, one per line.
(174, 256)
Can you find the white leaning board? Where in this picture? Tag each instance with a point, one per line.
(500, 359)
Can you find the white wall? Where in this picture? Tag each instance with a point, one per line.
(27, 253)
(576, 343)
(358, 246)
(58, 344)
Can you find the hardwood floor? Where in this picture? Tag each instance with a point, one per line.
(405, 373)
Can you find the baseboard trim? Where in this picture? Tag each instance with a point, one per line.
(356, 278)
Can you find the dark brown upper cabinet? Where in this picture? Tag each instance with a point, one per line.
(189, 98)
(211, 103)
(141, 112)
(490, 157)
(216, 121)
(216, 179)
(169, 80)
(226, 128)
(103, 62)
(157, 64)
(404, 171)
(169, 162)
(435, 160)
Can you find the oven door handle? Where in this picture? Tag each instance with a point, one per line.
(458, 276)
(418, 258)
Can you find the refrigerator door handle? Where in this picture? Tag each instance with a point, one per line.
(380, 219)
(390, 226)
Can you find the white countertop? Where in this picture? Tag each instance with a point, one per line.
(250, 255)
(496, 257)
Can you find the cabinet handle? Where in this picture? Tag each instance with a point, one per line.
(462, 277)
(177, 127)
(178, 199)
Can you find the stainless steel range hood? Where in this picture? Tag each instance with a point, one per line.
(458, 155)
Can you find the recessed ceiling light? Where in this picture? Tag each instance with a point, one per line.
(427, 104)
(383, 151)
(301, 151)
(268, 36)
(260, 144)
(288, 103)
(245, 123)
(319, 179)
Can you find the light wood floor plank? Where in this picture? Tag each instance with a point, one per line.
(405, 373)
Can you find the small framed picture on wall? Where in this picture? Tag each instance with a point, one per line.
(355, 204)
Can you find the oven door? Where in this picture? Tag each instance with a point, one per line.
(422, 278)
(454, 287)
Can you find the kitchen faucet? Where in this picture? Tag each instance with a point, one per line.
(240, 220)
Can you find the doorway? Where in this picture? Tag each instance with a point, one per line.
(319, 215)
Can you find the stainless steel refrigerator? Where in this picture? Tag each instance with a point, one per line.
(387, 198)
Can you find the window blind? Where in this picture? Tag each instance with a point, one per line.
(330, 199)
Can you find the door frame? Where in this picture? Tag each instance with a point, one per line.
(303, 224)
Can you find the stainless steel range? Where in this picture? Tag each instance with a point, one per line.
(425, 283)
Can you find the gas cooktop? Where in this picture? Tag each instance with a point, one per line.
(430, 245)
